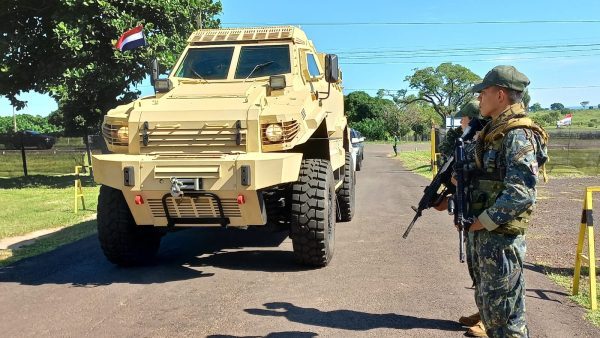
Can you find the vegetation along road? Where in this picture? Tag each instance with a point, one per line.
(215, 282)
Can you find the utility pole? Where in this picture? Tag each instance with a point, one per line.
(14, 120)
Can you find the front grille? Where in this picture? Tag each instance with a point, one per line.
(209, 139)
(199, 207)
(109, 131)
(290, 130)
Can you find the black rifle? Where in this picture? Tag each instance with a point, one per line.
(432, 195)
(461, 170)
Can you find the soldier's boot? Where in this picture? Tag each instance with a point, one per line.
(470, 320)
(477, 330)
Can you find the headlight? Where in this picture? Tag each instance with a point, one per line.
(115, 134)
(274, 132)
(123, 134)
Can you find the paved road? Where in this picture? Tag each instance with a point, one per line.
(227, 283)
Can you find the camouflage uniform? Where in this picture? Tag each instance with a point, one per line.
(503, 194)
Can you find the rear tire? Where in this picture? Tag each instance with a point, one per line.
(313, 213)
(123, 241)
(346, 195)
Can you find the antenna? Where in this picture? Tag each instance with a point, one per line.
(199, 21)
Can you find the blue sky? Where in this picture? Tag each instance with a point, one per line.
(378, 49)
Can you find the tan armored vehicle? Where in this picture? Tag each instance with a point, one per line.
(248, 129)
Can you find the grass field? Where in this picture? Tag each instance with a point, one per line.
(39, 162)
(43, 202)
(583, 119)
(574, 162)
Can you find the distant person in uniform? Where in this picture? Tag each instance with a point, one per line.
(395, 146)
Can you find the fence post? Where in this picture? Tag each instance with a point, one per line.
(23, 156)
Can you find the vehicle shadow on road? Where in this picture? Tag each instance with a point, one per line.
(233, 249)
(286, 334)
(184, 255)
(352, 320)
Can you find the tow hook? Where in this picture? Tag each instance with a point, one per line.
(176, 188)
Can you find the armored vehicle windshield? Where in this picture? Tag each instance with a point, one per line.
(254, 61)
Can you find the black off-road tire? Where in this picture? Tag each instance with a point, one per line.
(312, 227)
(123, 241)
(346, 195)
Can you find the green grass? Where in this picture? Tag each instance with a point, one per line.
(578, 162)
(44, 202)
(41, 202)
(564, 278)
(417, 162)
(581, 119)
(39, 163)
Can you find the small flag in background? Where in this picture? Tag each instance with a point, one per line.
(131, 39)
(566, 121)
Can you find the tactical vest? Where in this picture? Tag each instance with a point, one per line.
(490, 158)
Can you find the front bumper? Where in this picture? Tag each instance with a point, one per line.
(150, 178)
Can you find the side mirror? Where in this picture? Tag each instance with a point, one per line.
(332, 69)
(362, 139)
(355, 140)
(154, 71)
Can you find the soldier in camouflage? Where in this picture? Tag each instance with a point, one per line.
(508, 154)
(469, 111)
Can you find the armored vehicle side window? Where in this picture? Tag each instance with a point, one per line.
(206, 63)
(313, 69)
(257, 61)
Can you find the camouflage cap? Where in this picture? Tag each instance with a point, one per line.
(503, 76)
(469, 109)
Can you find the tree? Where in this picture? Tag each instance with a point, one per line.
(445, 87)
(584, 104)
(359, 105)
(27, 122)
(557, 106)
(65, 49)
(536, 107)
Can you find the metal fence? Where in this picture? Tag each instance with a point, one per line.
(574, 152)
(34, 159)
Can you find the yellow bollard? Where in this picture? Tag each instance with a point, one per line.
(78, 190)
(587, 224)
(433, 153)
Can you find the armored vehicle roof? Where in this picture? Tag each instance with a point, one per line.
(232, 35)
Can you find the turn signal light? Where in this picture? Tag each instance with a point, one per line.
(139, 200)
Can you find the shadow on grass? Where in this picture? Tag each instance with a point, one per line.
(43, 181)
(350, 319)
(182, 256)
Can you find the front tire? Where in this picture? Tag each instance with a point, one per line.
(314, 213)
(346, 194)
(123, 241)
